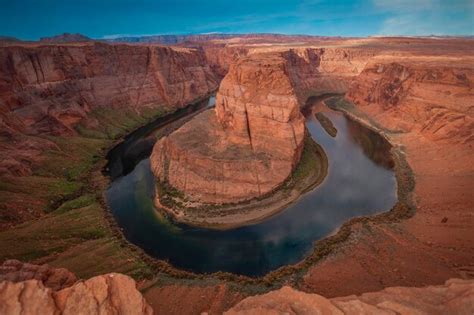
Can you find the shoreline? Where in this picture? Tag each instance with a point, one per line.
(322, 248)
(259, 209)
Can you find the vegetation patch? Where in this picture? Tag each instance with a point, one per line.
(327, 124)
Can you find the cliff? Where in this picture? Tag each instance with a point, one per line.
(245, 148)
(423, 105)
(115, 293)
(432, 98)
(48, 90)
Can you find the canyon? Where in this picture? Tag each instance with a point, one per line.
(91, 90)
(245, 148)
(70, 102)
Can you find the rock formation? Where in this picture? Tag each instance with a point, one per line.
(434, 99)
(107, 294)
(423, 104)
(456, 296)
(47, 90)
(254, 140)
(247, 147)
(53, 278)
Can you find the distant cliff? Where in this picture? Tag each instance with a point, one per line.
(65, 38)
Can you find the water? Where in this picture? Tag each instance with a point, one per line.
(360, 181)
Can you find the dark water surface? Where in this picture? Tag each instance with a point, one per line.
(360, 182)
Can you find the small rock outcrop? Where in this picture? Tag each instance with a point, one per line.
(106, 294)
(54, 278)
(247, 147)
(456, 296)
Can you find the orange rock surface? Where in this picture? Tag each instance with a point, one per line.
(424, 106)
(47, 90)
(106, 294)
(247, 147)
(456, 296)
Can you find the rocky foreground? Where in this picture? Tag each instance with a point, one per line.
(24, 290)
(456, 296)
(117, 294)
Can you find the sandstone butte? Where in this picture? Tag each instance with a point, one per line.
(244, 148)
(249, 145)
(115, 293)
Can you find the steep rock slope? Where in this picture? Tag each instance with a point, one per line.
(431, 98)
(243, 149)
(423, 104)
(47, 90)
(60, 104)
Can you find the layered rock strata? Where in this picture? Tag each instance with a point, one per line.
(423, 105)
(253, 141)
(48, 90)
(245, 148)
(434, 98)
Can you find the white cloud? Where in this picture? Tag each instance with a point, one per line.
(404, 5)
(426, 17)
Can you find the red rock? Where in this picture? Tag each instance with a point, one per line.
(106, 294)
(456, 296)
(419, 96)
(256, 138)
(54, 278)
(47, 90)
(247, 147)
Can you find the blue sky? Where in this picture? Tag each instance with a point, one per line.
(31, 19)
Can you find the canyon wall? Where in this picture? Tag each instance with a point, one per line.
(430, 97)
(318, 71)
(48, 90)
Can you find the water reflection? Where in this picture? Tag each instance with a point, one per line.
(374, 146)
(359, 182)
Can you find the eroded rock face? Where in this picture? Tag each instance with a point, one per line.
(245, 148)
(318, 71)
(48, 90)
(433, 99)
(106, 294)
(456, 296)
